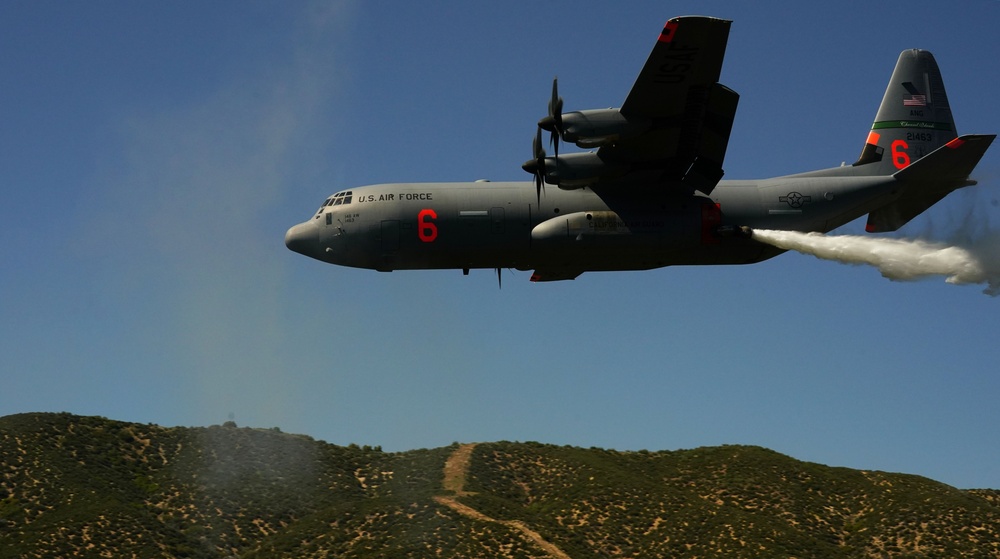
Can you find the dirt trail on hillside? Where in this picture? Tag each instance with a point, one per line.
(455, 470)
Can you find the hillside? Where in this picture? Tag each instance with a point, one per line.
(91, 487)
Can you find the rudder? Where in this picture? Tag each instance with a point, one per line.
(914, 118)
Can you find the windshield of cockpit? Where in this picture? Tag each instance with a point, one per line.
(338, 199)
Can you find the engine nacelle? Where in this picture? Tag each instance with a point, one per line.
(599, 127)
(575, 170)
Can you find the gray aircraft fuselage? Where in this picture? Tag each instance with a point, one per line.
(565, 232)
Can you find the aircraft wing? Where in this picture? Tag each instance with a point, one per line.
(555, 274)
(689, 111)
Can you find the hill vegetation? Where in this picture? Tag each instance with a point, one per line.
(90, 487)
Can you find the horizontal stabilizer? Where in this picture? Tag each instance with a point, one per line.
(897, 214)
(929, 179)
(953, 161)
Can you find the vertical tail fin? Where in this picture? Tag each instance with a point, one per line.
(914, 118)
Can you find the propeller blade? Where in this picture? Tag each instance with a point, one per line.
(555, 116)
(536, 165)
(556, 104)
(539, 168)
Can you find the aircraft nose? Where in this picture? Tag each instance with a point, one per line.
(302, 238)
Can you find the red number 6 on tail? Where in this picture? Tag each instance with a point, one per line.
(899, 156)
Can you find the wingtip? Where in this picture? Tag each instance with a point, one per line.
(669, 29)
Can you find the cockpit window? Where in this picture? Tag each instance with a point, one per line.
(338, 199)
(342, 198)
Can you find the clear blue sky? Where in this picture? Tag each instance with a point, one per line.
(152, 156)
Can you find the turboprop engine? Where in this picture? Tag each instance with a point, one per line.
(590, 128)
(587, 129)
(572, 170)
(593, 128)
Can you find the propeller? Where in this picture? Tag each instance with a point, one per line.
(536, 166)
(553, 122)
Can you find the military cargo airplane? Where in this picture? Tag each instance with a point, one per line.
(650, 194)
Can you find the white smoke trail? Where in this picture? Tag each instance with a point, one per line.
(976, 262)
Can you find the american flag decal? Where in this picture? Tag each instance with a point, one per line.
(915, 101)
